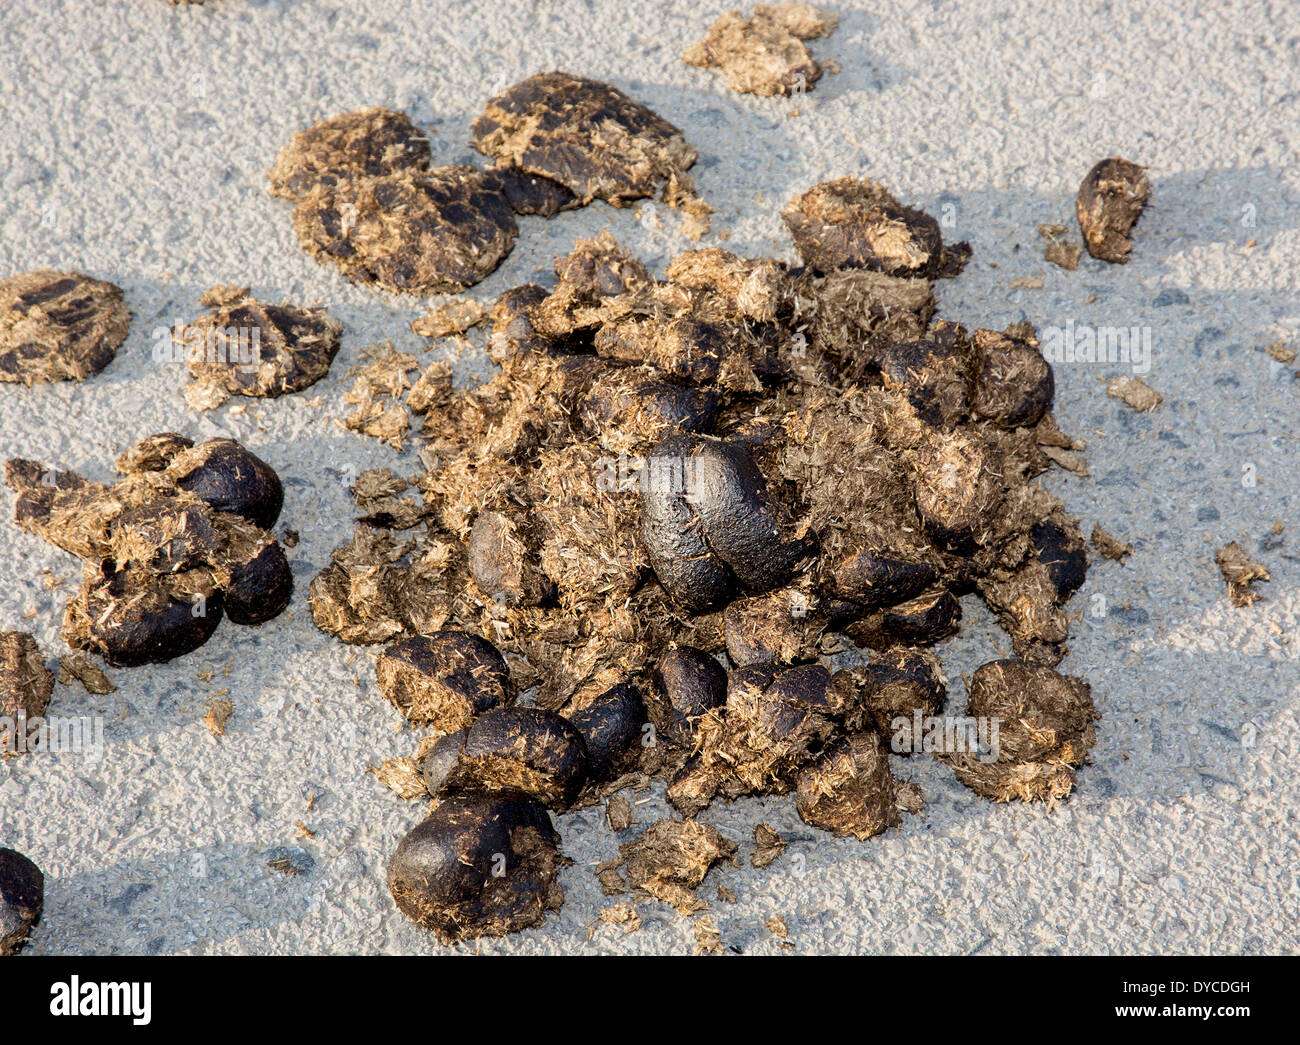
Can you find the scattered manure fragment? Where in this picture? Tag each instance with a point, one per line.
(885, 696)
(768, 845)
(78, 667)
(228, 477)
(1135, 392)
(26, 685)
(618, 813)
(765, 54)
(1110, 201)
(218, 714)
(671, 858)
(401, 776)
(1240, 572)
(250, 348)
(1110, 547)
(1057, 250)
(775, 720)
(58, 326)
(451, 317)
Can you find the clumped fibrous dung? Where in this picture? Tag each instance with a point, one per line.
(765, 54)
(180, 540)
(478, 865)
(1240, 572)
(414, 232)
(849, 790)
(671, 858)
(22, 895)
(250, 348)
(524, 750)
(445, 679)
(857, 223)
(25, 686)
(368, 202)
(682, 494)
(369, 142)
(1110, 201)
(58, 326)
(1046, 728)
(586, 136)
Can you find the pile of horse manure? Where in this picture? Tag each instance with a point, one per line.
(630, 553)
(179, 541)
(58, 326)
(368, 202)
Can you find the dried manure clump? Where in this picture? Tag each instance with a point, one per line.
(888, 693)
(1240, 572)
(367, 143)
(1110, 201)
(26, 685)
(687, 684)
(671, 858)
(368, 202)
(444, 679)
(612, 726)
(247, 347)
(857, 223)
(58, 326)
(849, 789)
(765, 53)
(681, 495)
(586, 136)
(415, 232)
(524, 750)
(1046, 728)
(479, 865)
(22, 895)
(179, 541)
